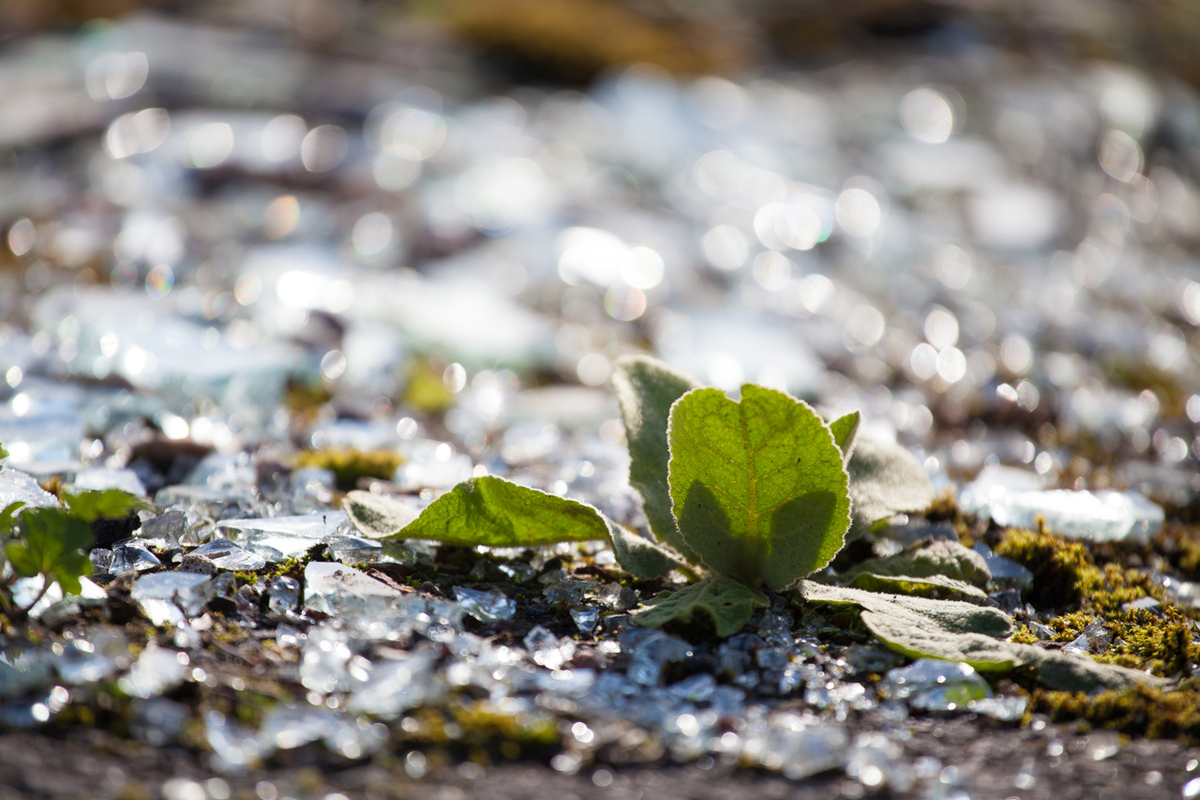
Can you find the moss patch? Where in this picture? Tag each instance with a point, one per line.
(1141, 711)
(349, 464)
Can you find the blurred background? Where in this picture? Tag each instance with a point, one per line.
(324, 223)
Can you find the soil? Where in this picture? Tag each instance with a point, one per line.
(994, 760)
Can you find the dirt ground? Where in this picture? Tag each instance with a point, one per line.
(994, 761)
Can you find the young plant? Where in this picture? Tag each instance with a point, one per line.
(745, 494)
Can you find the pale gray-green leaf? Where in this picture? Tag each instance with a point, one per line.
(885, 480)
(378, 516)
(758, 488)
(646, 388)
(939, 557)
(730, 603)
(845, 433)
(933, 586)
(498, 513)
(956, 631)
(641, 557)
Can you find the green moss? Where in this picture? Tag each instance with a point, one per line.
(349, 464)
(427, 390)
(1141, 711)
(1063, 572)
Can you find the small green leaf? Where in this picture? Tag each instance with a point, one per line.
(641, 557)
(758, 487)
(1076, 672)
(8, 517)
(90, 506)
(51, 544)
(845, 433)
(378, 516)
(937, 587)
(646, 388)
(940, 557)
(885, 480)
(498, 513)
(3, 452)
(730, 603)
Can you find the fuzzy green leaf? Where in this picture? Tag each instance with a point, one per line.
(730, 603)
(641, 557)
(954, 631)
(646, 388)
(937, 587)
(845, 433)
(941, 557)
(378, 516)
(758, 487)
(8, 517)
(498, 513)
(885, 480)
(90, 506)
(51, 544)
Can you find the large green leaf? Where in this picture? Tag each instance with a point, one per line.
(758, 487)
(498, 513)
(646, 388)
(885, 480)
(730, 603)
(51, 544)
(955, 631)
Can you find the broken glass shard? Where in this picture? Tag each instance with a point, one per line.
(586, 618)
(936, 685)
(490, 606)
(224, 554)
(283, 594)
(190, 591)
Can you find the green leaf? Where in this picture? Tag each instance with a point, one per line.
(954, 631)
(51, 544)
(641, 557)
(378, 516)
(940, 557)
(646, 388)
(90, 506)
(845, 433)
(885, 480)
(498, 513)
(730, 603)
(7, 517)
(758, 487)
(937, 587)
(3, 452)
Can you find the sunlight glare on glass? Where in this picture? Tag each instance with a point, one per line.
(210, 145)
(115, 76)
(22, 236)
(927, 115)
(372, 233)
(139, 132)
(281, 137)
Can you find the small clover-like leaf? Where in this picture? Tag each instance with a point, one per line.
(494, 512)
(641, 557)
(51, 544)
(646, 388)
(845, 433)
(730, 603)
(758, 486)
(885, 480)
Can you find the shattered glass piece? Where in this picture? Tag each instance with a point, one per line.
(283, 594)
(393, 686)
(188, 590)
(102, 560)
(277, 538)
(875, 760)
(519, 571)
(1143, 604)
(697, 688)
(490, 606)
(343, 592)
(776, 628)
(798, 748)
(1005, 572)
(650, 650)
(1077, 645)
(157, 670)
(236, 748)
(224, 554)
(132, 555)
(20, 487)
(100, 478)
(936, 685)
(1005, 709)
(288, 726)
(225, 585)
(547, 649)
(164, 530)
(1101, 516)
(586, 618)
(566, 592)
(328, 664)
(101, 655)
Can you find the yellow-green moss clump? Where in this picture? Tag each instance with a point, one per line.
(1141, 711)
(349, 464)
